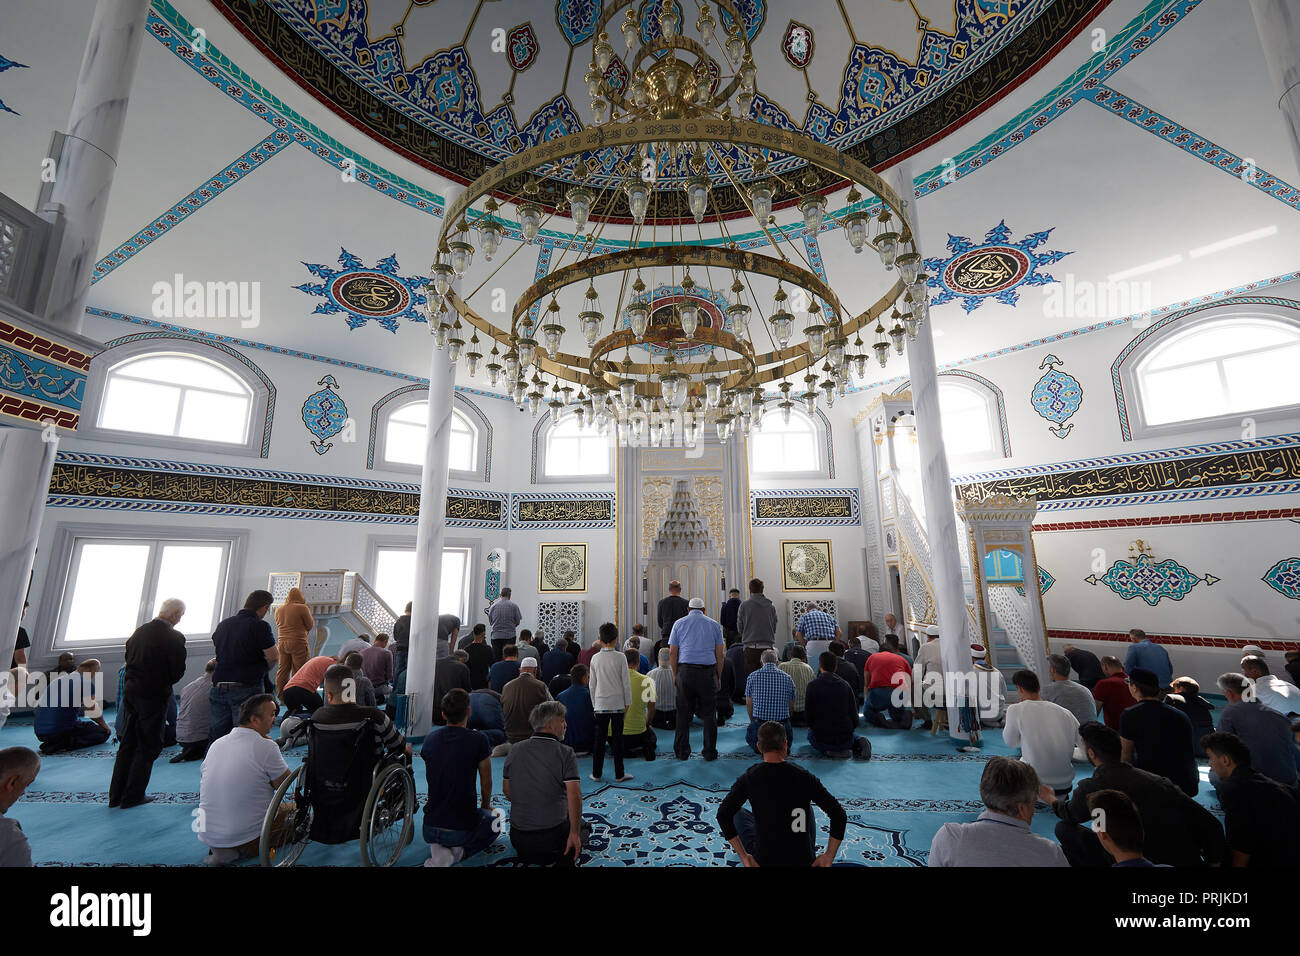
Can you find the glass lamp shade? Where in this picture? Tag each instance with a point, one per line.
(723, 426)
(638, 199)
(557, 409)
(816, 335)
(592, 79)
(697, 196)
(809, 399)
(739, 316)
(535, 402)
(682, 392)
(490, 233)
(530, 220)
(461, 257)
(579, 206)
(604, 53)
(591, 326)
(747, 75)
(638, 316)
(705, 24)
(909, 266)
(455, 345)
(493, 373)
(898, 336)
(471, 362)
(760, 198)
(882, 352)
(735, 45)
(745, 400)
(668, 387)
(828, 392)
(814, 211)
(712, 392)
(911, 325)
(551, 336)
(786, 408)
(855, 230)
(860, 366)
(689, 314)
(887, 246)
(835, 354)
(627, 391)
(527, 352)
(668, 21)
(637, 422)
(441, 275)
(600, 399)
(512, 364)
(441, 334)
(519, 393)
(917, 288)
(782, 326)
(629, 29)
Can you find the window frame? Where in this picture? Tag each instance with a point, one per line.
(541, 452)
(56, 596)
(819, 446)
(261, 407)
(472, 547)
(1129, 384)
(989, 402)
(470, 414)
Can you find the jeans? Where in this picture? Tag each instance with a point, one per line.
(543, 846)
(225, 701)
(751, 734)
(471, 841)
(881, 699)
(608, 725)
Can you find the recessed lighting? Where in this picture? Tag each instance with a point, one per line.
(1143, 270)
(1242, 239)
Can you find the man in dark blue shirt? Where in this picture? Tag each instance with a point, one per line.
(504, 670)
(487, 716)
(832, 712)
(557, 661)
(580, 719)
(456, 824)
(1156, 737)
(1085, 664)
(727, 617)
(245, 650)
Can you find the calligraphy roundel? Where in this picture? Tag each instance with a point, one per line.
(563, 569)
(807, 566)
(371, 294)
(987, 270)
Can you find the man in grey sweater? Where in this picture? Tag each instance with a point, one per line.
(756, 621)
(503, 617)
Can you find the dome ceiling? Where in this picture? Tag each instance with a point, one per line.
(460, 85)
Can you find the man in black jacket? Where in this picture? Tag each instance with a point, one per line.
(831, 710)
(1262, 816)
(1179, 831)
(155, 660)
(671, 609)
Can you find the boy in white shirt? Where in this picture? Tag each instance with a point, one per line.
(1046, 734)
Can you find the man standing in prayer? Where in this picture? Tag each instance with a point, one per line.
(503, 618)
(756, 621)
(696, 655)
(671, 609)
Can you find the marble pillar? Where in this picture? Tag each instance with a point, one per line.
(936, 480)
(84, 175)
(1279, 31)
(26, 462)
(430, 533)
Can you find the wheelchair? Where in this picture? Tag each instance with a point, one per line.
(344, 790)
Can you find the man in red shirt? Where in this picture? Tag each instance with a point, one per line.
(1112, 692)
(883, 681)
(585, 656)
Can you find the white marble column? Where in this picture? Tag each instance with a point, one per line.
(936, 480)
(429, 537)
(26, 461)
(84, 175)
(1279, 31)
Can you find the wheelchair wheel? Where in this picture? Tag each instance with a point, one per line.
(284, 847)
(387, 824)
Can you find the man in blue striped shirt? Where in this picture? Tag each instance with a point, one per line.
(769, 691)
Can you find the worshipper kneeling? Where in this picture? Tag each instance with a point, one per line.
(832, 712)
(802, 674)
(456, 824)
(888, 674)
(637, 735)
(1119, 828)
(487, 716)
(1265, 732)
(377, 661)
(240, 775)
(363, 692)
(301, 693)
(1261, 817)
(1001, 836)
(18, 768)
(60, 718)
(519, 697)
(1155, 736)
(1046, 734)
(1179, 831)
(504, 670)
(1187, 698)
(194, 717)
(780, 830)
(540, 779)
(665, 715)
(769, 692)
(580, 719)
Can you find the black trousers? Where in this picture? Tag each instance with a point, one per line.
(299, 698)
(546, 846)
(87, 733)
(643, 743)
(609, 726)
(697, 696)
(1080, 845)
(665, 720)
(193, 751)
(141, 743)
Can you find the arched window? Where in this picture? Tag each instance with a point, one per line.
(779, 447)
(173, 392)
(1201, 372)
(968, 428)
(398, 427)
(573, 452)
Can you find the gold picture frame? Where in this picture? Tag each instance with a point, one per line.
(807, 566)
(562, 568)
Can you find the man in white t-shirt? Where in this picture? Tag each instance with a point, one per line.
(240, 775)
(1271, 691)
(1046, 734)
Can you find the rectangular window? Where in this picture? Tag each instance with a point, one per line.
(115, 584)
(395, 579)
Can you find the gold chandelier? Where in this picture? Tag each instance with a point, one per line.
(659, 130)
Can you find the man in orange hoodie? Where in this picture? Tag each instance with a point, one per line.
(294, 622)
